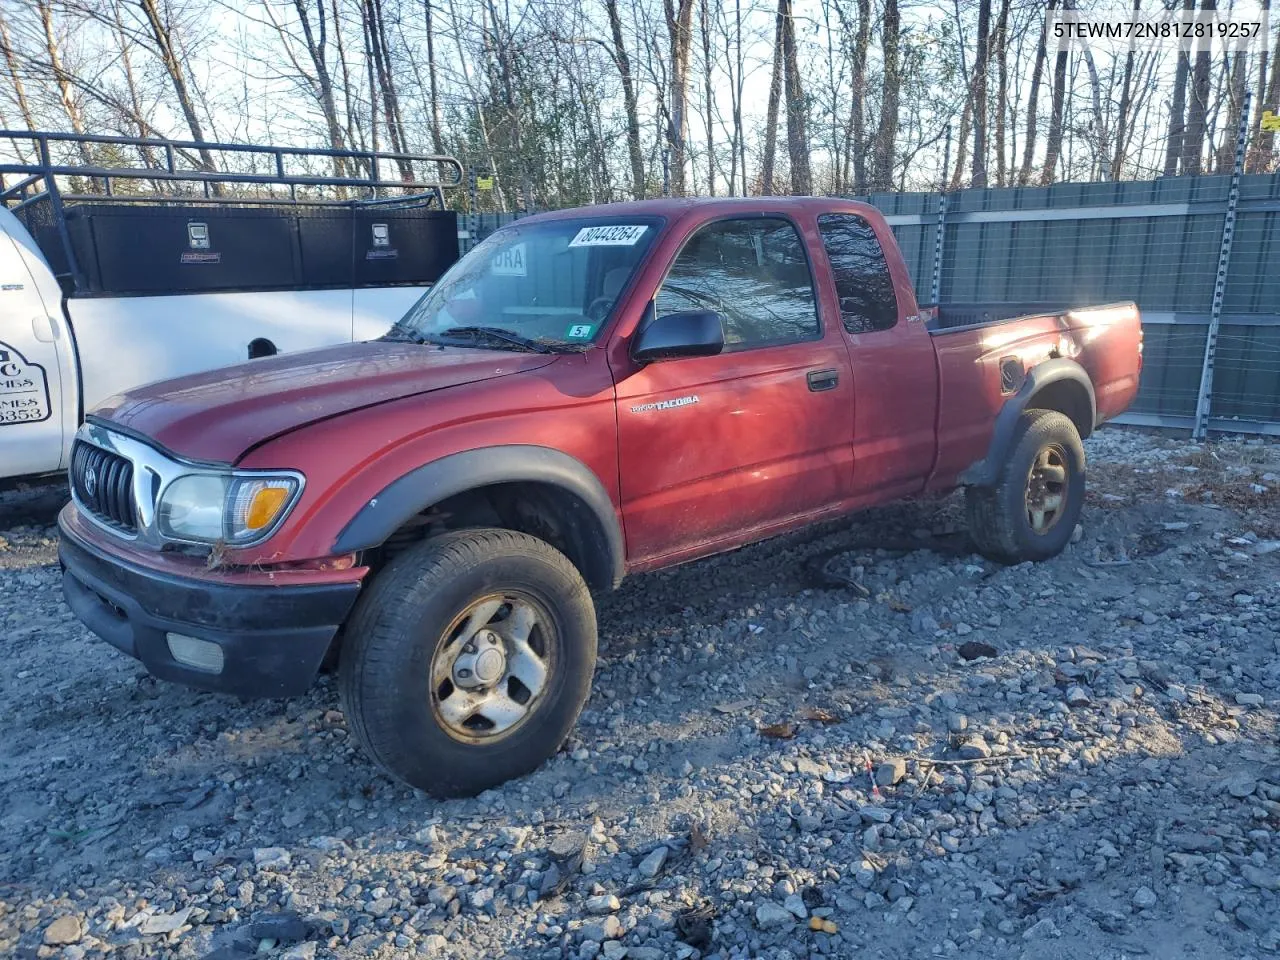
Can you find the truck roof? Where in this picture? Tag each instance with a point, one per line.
(679, 206)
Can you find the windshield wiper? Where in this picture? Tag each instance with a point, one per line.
(399, 334)
(499, 334)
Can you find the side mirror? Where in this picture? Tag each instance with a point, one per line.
(693, 333)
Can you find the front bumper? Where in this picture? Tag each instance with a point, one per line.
(272, 637)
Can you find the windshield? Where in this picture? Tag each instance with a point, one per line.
(547, 284)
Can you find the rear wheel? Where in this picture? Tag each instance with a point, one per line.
(1032, 510)
(469, 659)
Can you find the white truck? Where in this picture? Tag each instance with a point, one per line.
(112, 276)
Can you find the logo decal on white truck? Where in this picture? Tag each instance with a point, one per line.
(24, 389)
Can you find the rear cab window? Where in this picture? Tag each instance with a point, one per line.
(864, 287)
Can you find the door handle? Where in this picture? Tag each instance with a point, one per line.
(820, 380)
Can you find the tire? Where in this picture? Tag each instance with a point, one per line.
(405, 652)
(1002, 518)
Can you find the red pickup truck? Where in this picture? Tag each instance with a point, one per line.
(588, 393)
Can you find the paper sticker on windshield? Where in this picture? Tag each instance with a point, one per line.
(580, 331)
(510, 262)
(615, 235)
(24, 389)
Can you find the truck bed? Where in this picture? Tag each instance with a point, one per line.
(945, 317)
(985, 351)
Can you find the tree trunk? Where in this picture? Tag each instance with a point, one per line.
(1198, 107)
(962, 145)
(62, 78)
(1002, 92)
(1178, 109)
(1264, 141)
(797, 132)
(1053, 144)
(20, 93)
(887, 131)
(317, 43)
(1033, 102)
(771, 112)
(708, 98)
(979, 179)
(1098, 165)
(131, 85)
(1122, 120)
(354, 139)
(736, 92)
(386, 82)
(628, 101)
(680, 31)
(1235, 104)
(858, 106)
(160, 33)
(433, 80)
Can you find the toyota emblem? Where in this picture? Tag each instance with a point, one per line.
(91, 482)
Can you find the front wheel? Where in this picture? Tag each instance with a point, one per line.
(1033, 508)
(468, 660)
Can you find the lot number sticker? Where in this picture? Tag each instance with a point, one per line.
(510, 262)
(616, 235)
(24, 389)
(580, 331)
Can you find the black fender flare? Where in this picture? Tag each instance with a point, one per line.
(399, 501)
(986, 471)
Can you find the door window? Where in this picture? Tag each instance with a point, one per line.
(863, 285)
(754, 273)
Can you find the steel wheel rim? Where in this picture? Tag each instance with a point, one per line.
(491, 667)
(1046, 491)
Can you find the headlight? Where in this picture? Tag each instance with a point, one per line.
(237, 509)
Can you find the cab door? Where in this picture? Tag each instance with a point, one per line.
(894, 368)
(715, 448)
(31, 401)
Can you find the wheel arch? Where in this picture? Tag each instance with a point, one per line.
(1059, 384)
(558, 488)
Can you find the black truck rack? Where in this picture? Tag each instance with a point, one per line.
(220, 217)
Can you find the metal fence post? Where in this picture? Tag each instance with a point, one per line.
(1204, 399)
(935, 285)
(473, 207)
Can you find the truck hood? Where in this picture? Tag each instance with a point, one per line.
(220, 415)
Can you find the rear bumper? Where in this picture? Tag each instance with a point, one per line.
(272, 638)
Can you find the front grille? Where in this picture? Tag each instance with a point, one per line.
(103, 483)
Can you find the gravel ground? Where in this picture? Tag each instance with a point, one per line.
(858, 740)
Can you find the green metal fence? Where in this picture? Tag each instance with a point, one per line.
(1159, 243)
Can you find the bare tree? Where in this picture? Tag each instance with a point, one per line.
(623, 62)
(1053, 142)
(162, 35)
(775, 95)
(887, 131)
(1235, 105)
(15, 76)
(797, 108)
(1033, 103)
(708, 97)
(680, 32)
(1193, 139)
(428, 20)
(1122, 117)
(1262, 152)
(1001, 51)
(979, 178)
(62, 77)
